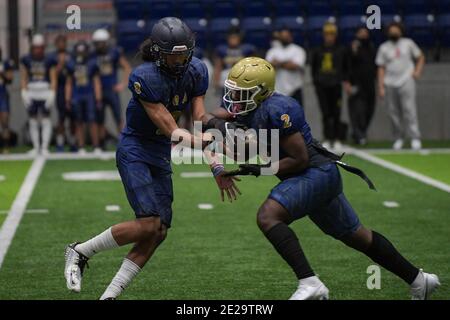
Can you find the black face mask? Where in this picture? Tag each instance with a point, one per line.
(364, 41)
(393, 37)
(285, 43)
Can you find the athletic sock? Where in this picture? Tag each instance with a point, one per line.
(288, 246)
(103, 241)
(384, 253)
(46, 132)
(34, 133)
(128, 270)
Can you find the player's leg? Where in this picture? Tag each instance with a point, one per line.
(327, 121)
(114, 102)
(290, 200)
(382, 251)
(46, 124)
(392, 102)
(78, 114)
(407, 95)
(100, 119)
(62, 113)
(33, 126)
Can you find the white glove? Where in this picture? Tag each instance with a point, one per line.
(25, 98)
(50, 101)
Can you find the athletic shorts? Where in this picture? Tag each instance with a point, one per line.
(83, 109)
(38, 106)
(318, 193)
(148, 188)
(4, 103)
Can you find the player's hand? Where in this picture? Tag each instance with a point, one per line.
(119, 87)
(381, 92)
(227, 185)
(50, 101)
(416, 75)
(99, 105)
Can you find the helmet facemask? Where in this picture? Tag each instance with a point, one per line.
(174, 62)
(239, 101)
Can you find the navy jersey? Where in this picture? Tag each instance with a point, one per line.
(82, 76)
(5, 66)
(38, 69)
(149, 84)
(62, 74)
(287, 116)
(230, 56)
(108, 65)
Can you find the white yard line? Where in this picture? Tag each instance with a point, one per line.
(409, 151)
(18, 207)
(399, 169)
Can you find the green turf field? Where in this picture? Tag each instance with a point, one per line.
(220, 253)
(14, 172)
(434, 165)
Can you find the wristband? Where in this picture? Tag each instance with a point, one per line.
(217, 169)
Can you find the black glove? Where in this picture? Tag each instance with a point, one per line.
(247, 170)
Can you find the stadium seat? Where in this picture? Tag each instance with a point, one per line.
(443, 23)
(320, 8)
(351, 8)
(257, 31)
(126, 9)
(411, 7)
(256, 8)
(388, 7)
(288, 7)
(348, 25)
(130, 34)
(295, 24)
(200, 28)
(158, 9)
(421, 28)
(219, 28)
(191, 8)
(442, 7)
(223, 8)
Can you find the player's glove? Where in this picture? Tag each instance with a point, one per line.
(25, 98)
(247, 170)
(50, 101)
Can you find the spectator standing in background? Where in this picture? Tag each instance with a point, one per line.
(400, 62)
(110, 59)
(360, 87)
(61, 57)
(6, 77)
(329, 65)
(226, 55)
(289, 61)
(38, 88)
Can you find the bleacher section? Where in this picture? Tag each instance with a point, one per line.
(426, 21)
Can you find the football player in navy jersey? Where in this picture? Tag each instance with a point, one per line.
(310, 182)
(169, 81)
(83, 93)
(6, 77)
(60, 58)
(110, 59)
(38, 86)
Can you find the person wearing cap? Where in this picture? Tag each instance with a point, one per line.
(110, 59)
(38, 88)
(289, 61)
(400, 62)
(329, 65)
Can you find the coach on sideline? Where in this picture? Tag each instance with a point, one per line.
(400, 62)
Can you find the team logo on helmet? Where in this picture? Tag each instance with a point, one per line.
(137, 87)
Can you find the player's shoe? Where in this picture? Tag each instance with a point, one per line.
(45, 152)
(428, 282)
(311, 291)
(33, 152)
(98, 151)
(82, 151)
(416, 144)
(75, 264)
(398, 144)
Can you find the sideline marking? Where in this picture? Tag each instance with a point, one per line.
(9, 227)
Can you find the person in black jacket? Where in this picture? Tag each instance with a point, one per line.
(361, 85)
(329, 70)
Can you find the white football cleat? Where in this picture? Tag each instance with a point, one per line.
(337, 145)
(424, 285)
(82, 151)
(311, 289)
(98, 151)
(416, 144)
(45, 152)
(398, 144)
(33, 152)
(75, 264)
(326, 144)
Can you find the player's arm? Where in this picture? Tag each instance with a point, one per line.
(218, 67)
(68, 92)
(53, 78)
(23, 77)
(419, 66)
(380, 76)
(298, 159)
(126, 69)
